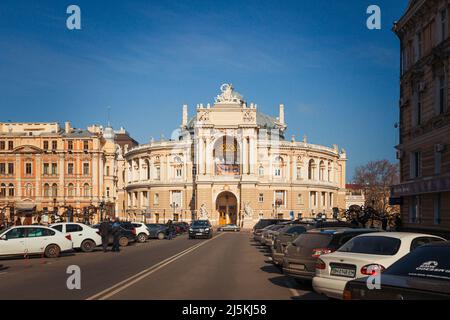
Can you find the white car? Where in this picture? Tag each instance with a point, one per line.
(142, 231)
(83, 236)
(362, 256)
(34, 240)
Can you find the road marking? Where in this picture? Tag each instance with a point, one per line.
(113, 290)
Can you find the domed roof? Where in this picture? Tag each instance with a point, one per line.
(108, 133)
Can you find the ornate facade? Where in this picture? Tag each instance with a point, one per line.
(232, 164)
(424, 124)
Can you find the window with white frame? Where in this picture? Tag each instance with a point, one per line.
(158, 173)
(261, 171)
(299, 173)
(299, 199)
(280, 198)
(415, 164)
(313, 199)
(176, 198)
(261, 198)
(156, 199)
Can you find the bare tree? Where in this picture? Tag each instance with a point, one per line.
(376, 179)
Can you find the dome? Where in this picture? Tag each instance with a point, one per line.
(109, 134)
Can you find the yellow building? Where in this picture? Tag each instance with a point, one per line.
(232, 164)
(46, 168)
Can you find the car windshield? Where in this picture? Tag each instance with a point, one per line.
(429, 262)
(200, 224)
(385, 246)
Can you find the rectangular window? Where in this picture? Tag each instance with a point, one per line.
(86, 145)
(442, 97)
(277, 172)
(194, 170)
(313, 198)
(437, 209)
(299, 173)
(70, 168)
(443, 27)
(419, 45)
(279, 198)
(261, 171)
(11, 168)
(158, 173)
(176, 199)
(70, 145)
(86, 169)
(324, 196)
(10, 145)
(415, 163)
(107, 192)
(54, 145)
(437, 162)
(46, 168)
(419, 109)
(179, 172)
(156, 199)
(414, 209)
(45, 145)
(28, 169)
(2, 145)
(261, 198)
(54, 169)
(107, 170)
(330, 199)
(2, 168)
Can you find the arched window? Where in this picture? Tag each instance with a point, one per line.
(147, 174)
(46, 190)
(278, 167)
(299, 172)
(29, 190)
(261, 171)
(311, 167)
(70, 190)
(2, 190)
(11, 190)
(86, 190)
(177, 160)
(54, 190)
(322, 171)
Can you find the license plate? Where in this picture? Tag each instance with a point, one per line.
(199, 234)
(298, 266)
(343, 272)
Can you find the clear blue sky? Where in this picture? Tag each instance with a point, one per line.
(338, 80)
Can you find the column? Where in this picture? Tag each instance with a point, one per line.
(200, 156)
(208, 155)
(244, 155)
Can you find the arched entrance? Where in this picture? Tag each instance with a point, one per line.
(226, 205)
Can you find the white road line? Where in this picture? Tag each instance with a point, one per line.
(113, 290)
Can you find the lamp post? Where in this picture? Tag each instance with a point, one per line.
(174, 206)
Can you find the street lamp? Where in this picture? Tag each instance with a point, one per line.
(174, 206)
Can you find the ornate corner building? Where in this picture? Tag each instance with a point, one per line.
(231, 163)
(424, 126)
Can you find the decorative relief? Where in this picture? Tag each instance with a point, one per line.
(249, 116)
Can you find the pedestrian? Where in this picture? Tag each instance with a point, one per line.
(384, 223)
(398, 222)
(105, 230)
(116, 235)
(170, 230)
(18, 222)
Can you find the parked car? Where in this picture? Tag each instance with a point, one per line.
(422, 274)
(360, 256)
(229, 227)
(263, 223)
(34, 240)
(284, 238)
(182, 227)
(268, 234)
(84, 238)
(299, 261)
(157, 230)
(127, 234)
(258, 235)
(142, 232)
(200, 228)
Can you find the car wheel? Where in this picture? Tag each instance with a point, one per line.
(142, 237)
(161, 236)
(123, 242)
(87, 246)
(52, 251)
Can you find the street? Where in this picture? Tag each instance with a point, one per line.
(227, 267)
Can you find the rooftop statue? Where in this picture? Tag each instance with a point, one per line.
(228, 95)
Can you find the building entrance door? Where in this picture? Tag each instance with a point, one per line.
(226, 205)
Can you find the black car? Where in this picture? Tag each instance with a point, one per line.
(422, 274)
(157, 230)
(299, 261)
(127, 233)
(262, 224)
(200, 229)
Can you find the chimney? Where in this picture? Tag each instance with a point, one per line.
(67, 127)
(185, 115)
(281, 117)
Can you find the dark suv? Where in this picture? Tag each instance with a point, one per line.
(200, 229)
(127, 233)
(157, 230)
(300, 257)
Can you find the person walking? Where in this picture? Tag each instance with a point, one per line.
(384, 222)
(116, 235)
(18, 222)
(170, 229)
(105, 230)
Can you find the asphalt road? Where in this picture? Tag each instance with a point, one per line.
(228, 267)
